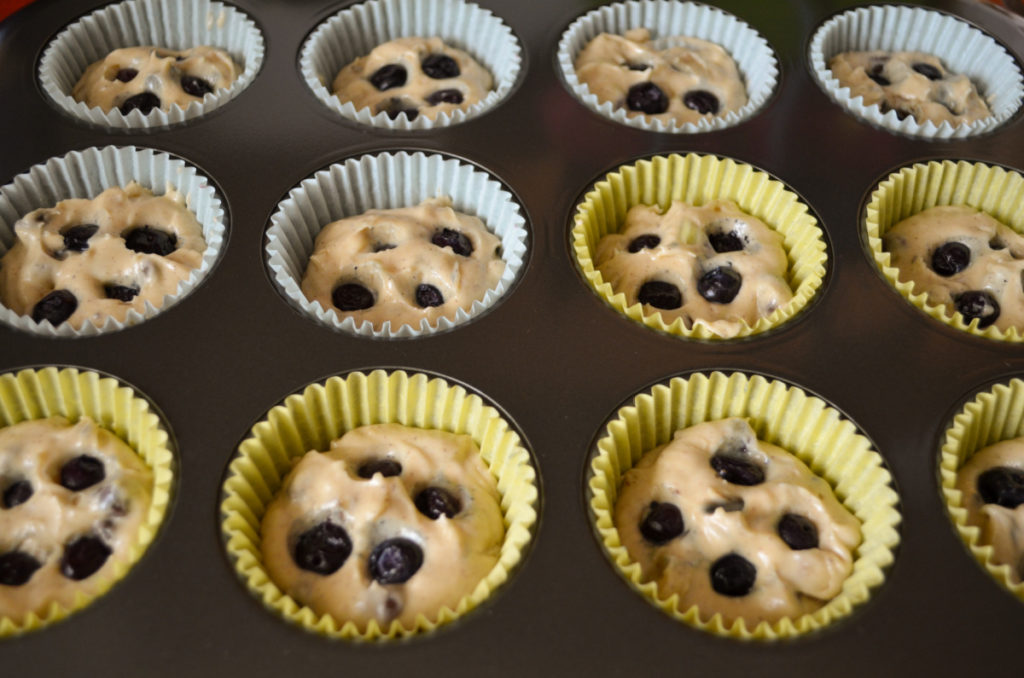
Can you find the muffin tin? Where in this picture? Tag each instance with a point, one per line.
(552, 355)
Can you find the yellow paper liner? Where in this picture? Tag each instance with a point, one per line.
(990, 417)
(779, 414)
(72, 393)
(697, 180)
(994, 190)
(322, 412)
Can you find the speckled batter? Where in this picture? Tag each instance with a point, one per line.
(390, 253)
(43, 259)
(458, 551)
(412, 91)
(995, 266)
(43, 525)
(165, 73)
(723, 518)
(684, 253)
(609, 65)
(911, 83)
(1001, 527)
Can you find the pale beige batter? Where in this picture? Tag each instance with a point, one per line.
(458, 551)
(1001, 527)
(47, 257)
(684, 253)
(410, 84)
(995, 264)
(691, 70)
(910, 83)
(722, 518)
(391, 254)
(173, 77)
(53, 516)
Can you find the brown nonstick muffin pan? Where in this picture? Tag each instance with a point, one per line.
(551, 355)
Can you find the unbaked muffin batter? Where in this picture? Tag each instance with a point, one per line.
(404, 264)
(691, 80)
(992, 483)
(147, 78)
(73, 499)
(713, 265)
(962, 259)
(86, 260)
(910, 83)
(391, 523)
(413, 76)
(735, 525)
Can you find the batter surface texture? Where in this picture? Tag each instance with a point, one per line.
(390, 523)
(735, 525)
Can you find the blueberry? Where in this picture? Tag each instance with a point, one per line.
(120, 292)
(386, 77)
(928, 71)
(144, 102)
(660, 294)
(126, 74)
(635, 66)
(449, 237)
(733, 575)
(428, 295)
(798, 532)
(647, 98)
(1002, 485)
(997, 243)
(385, 467)
(647, 241)
(17, 567)
(17, 493)
(702, 101)
(76, 238)
(901, 114)
(978, 304)
(951, 258)
(57, 306)
(352, 297)
(149, 240)
(81, 472)
(876, 74)
(396, 107)
(434, 501)
(720, 285)
(395, 560)
(83, 556)
(197, 87)
(732, 468)
(662, 523)
(440, 66)
(445, 96)
(725, 241)
(323, 548)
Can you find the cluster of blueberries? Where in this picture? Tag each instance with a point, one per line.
(436, 66)
(145, 102)
(952, 258)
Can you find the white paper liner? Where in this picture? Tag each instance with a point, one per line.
(666, 19)
(387, 181)
(172, 24)
(354, 32)
(86, 174)
(962, 48)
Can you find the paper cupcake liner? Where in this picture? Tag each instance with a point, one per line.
(86, 174)
(994, 190)
(310, 420)
(386, 181)
(696, 180)
(782, 415)
(665, 19)
(72, 393)
(990, 417)
(355, 31)
(962, 47)
(172, 24)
